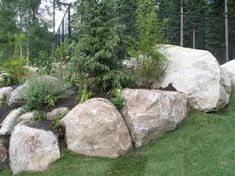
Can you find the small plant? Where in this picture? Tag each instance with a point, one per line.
(84, 96)
(150, 67)
(57, 119)
(7, 80)
(44, 62)
(44, 91)
(116, 98)
(15, 68)
(40, 116)
(152, 64)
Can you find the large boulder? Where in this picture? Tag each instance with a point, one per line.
(197, 74)
(32, 149)
(229, 68)
(96, 128)
(151, 113)
(10, 121)
(16, 97)
(4, 93)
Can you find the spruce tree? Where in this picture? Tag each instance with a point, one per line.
(97, 61)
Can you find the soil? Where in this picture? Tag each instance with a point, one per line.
(170, 87)
(69, 102)
(4, 111)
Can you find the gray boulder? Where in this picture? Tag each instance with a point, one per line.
(198, 74)
(10, 121)
(229, 68)
(4, 93)
(32, 149)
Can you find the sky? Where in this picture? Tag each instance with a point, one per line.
(59, 14)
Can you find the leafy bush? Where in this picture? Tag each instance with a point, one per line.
(40, 116)
(44, 61)
(116, 98)
(150, 68)
(15, 68)
(57, 119)
(84, 96)
(7, 80)
(44, 91)
(64, 51)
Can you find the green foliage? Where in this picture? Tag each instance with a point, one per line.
(8, 26)
(7, 80)
(150, 68)
(57, 119)
(15, 70)
(39, 40)
(44, 61)
(96, 61)
(40, 116)
(65, 50)
(148, 25)
(44, 91)
(116, 98)
(151, 64)
(84, 96)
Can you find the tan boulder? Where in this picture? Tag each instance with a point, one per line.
(96, 128)
(150, 113)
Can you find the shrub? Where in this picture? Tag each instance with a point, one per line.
(150, 34)
(57, 119)
(44, 91)
(40, 116)
(7, 80)
(84, 96)
(15, 68)
(150, 67)
(116, 98)
(44, 61)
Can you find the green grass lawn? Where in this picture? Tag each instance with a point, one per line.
(203, 146)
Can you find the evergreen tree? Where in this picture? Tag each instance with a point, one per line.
(127, 9)
(214, 26)
(149, 29)
(97, 60)
(8, 28)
